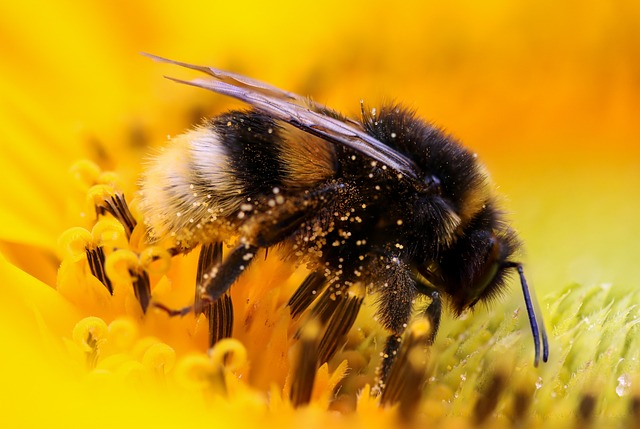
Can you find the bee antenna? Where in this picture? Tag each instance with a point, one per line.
(537, 326)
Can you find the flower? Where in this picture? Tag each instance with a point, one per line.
(73, 88)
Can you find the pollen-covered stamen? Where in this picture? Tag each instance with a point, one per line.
(341, 322)
(306, 293)
(305, 364)
(407, 374)
(219, 312)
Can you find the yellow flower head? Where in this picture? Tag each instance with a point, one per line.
(546, 93)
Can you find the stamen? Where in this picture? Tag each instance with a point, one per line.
(586, 410)
(85, 172)
(523, 387)
(123, 333)
(109, 232)
(407, 374)
(74, 242)
(123, 266)
(489, 398)
(78, 243)
(160, 358)
(90, 334)
(209, 373)
(306, 293)
(325, 305)
(341, 322)
(107, 200)
(634, 412)
(305, 364)
(155, 260)
(229, 353)
(96, 259)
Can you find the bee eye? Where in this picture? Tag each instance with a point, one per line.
(489, 268)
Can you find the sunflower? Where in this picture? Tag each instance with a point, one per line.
(81, 109)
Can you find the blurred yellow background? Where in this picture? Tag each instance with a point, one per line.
(547, 93)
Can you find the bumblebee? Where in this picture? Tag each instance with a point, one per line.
(386, 204)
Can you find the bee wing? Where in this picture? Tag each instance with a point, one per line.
(300, 112)
(263, 88)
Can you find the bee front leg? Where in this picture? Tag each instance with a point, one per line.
(403, 370)
(397, 295)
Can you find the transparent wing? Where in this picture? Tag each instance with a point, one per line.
(300, 112)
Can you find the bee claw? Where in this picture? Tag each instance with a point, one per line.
(172, 312)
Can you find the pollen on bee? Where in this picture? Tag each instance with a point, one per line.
(399, 221)
(393, 135)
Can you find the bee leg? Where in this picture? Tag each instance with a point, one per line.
(341, 321)
(391, 347)
(433, 313)
(218, 313)
(260, 231)
(395, 306)
(322, 333)
(218, 279)
(399, 376)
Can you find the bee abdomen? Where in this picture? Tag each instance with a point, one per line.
(193, 189)
(196, 187)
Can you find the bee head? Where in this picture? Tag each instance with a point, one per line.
(476, 267)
